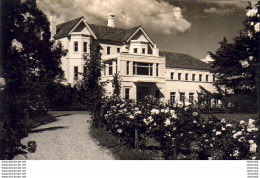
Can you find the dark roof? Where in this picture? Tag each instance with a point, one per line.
(102, 32)
(178, 60)
(111, 33)
(64, 28)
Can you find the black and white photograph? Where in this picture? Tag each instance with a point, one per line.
(129, 80)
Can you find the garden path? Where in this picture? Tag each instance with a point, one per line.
(66, 139)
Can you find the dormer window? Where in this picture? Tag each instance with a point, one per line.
(135, 50)
(76, 46)
(118, 50)
(143, 50)
(108, 50)
(85, 44)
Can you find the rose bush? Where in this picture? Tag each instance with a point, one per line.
(179, 127)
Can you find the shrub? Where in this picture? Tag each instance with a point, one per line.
(194, 136)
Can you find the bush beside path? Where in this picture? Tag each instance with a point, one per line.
(66, 139)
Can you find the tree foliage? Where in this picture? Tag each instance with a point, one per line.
(30, 62)
(234, 62)
(91, 87)
(116, 85)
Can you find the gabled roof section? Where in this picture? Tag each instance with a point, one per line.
(111, 33)
(67, 28)
(185, 61)
(64, 28)
(140, 28)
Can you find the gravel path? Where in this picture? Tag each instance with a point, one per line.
(66, 139)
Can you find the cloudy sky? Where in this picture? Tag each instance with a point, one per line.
(191, 27)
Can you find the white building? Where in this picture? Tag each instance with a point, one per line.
(143, 69)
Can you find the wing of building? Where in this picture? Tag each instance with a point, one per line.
(143, 69)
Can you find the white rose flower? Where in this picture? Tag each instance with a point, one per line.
(252, 12)
(229, 125)
(236, 153)
(131, 117)
(194, 122)
(252, 23)
(223, 128)
(172, 111)
(257, 27)
(195, 114)
(223, 120)
(251, 141)
(253, 147)
(250, 58)
(242, 122)
(251, 121)
(244, 64)
(218, 133)
(17, 45)
(237, 134)
(254, 158)
(119, 131)
(145, 121)
(167, 122)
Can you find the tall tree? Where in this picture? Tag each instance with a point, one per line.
(29, 62)
(234, 63)
(91, 84)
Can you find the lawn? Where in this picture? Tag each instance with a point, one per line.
(234, 116)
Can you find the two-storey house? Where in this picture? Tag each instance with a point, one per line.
(142, 68)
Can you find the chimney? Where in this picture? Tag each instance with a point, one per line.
(111, 19)
(52, 25)
(155, 50)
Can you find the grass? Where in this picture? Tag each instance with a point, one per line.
(234, 117)
(120, 150)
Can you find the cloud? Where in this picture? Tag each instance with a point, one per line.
(156, 17)
(214, 10)
(225, 7)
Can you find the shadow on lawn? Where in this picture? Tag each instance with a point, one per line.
(48, 129)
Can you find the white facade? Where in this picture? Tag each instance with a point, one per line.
(143, 71)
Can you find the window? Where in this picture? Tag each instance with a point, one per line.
(110, 68)
(182, 97)
(193, 77)
(157, 70)
(135, 50)
(76, 46)
(191, 97)
(108, 50)
(118, 50)
(127, 67)
(85, 45)
(172, 75)
(143, 50)
(214, 78)
(207, 78)
(186, 76)
(127, 91)
(179, 76)
(76, 72)
(143, 68)
(172, 97)
(200, 77)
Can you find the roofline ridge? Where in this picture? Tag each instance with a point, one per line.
(70, 20)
